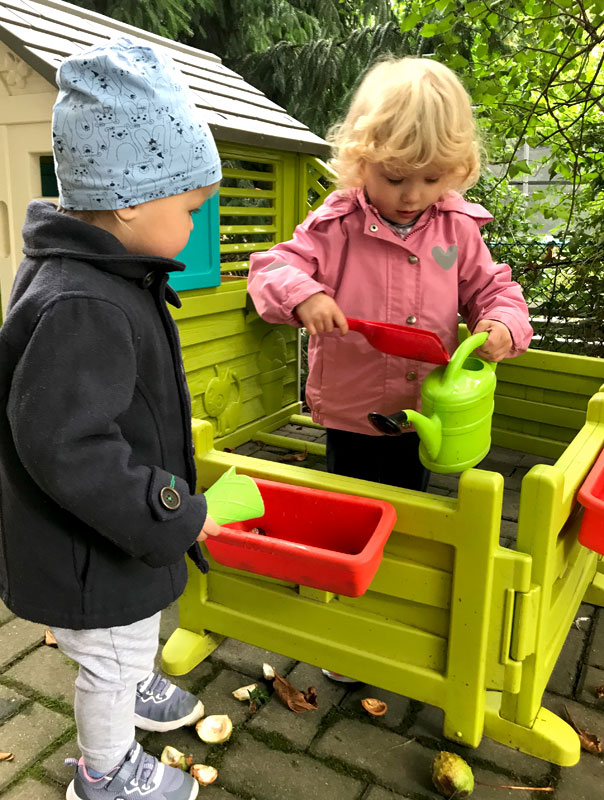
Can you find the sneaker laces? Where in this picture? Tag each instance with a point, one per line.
(157, 685)
(145, 769)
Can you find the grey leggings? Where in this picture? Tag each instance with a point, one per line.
(112, 661)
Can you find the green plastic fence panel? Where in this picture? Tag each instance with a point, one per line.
(242, 372)
(410, 633)
(541, 399)
(562, 571)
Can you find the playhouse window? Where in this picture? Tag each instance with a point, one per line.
(48, 179)
(248, 212)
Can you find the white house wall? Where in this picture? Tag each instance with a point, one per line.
(26, 101)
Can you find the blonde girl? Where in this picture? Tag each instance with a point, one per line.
(397, 243)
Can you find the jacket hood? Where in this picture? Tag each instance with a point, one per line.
(49, 233)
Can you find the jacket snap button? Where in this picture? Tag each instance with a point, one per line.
(148, 280)
(411, 320)
(411, 376)
(413, 259)
(373, 228)
(170, 498)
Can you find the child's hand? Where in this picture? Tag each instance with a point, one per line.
(320, 314)
(499, 343)
(210, 528)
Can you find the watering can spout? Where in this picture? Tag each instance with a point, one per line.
(429, 430)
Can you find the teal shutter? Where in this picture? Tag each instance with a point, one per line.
(202, 253)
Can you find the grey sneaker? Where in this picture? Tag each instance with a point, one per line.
(162, 706)
(138, 776)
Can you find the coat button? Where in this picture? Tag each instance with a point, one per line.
(148, 280)
(413, 259)
(411, 320)
(411, 376)
(170, 498)
(373, 228)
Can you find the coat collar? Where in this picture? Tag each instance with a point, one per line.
(48, 233)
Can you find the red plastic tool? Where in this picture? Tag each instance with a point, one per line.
(308, 536)
(402, 340)
(591, 497)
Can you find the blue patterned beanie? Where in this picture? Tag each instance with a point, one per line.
(125, 129)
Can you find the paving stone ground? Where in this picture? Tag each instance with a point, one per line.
(336, 753)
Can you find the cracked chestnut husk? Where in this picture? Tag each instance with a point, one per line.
(452, 776)
(174, 758)
(243, 693)
(215, 729)
(204, 774)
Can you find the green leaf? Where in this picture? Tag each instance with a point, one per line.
(457, 61)
(429, 29)
(524, 167)
(410, 22)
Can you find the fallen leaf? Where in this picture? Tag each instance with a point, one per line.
(6, 756)
(599, 691)
(589, 741)
(295, 456)
(293, 698)
(49, 639)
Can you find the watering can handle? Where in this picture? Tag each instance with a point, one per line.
(465, 349)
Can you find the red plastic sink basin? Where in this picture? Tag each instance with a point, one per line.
(591, 497)
(309, 536)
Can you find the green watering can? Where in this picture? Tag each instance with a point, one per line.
(457, 407)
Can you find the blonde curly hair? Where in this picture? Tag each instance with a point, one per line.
(408, 114)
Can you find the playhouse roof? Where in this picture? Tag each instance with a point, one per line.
(43, 32)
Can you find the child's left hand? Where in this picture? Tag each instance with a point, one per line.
(499, 343)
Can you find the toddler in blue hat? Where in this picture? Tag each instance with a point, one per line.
(97, 477)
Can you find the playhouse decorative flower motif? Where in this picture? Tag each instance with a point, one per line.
(272, 361)
(222, 400)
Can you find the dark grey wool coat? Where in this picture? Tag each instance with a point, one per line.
(95, 421)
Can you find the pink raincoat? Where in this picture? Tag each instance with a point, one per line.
(441, 268)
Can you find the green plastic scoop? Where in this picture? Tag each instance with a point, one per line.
(234, 498)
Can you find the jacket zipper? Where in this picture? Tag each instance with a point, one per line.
(423, 227)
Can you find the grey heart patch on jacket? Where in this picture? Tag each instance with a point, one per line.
(445, 259)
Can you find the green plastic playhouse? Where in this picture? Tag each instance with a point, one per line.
(450, 618)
